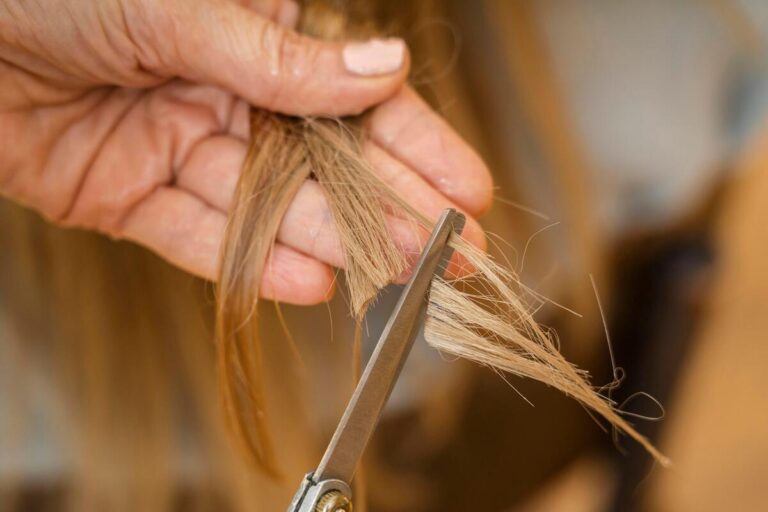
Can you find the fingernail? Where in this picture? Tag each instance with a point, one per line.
(288, 13)
(374, 57)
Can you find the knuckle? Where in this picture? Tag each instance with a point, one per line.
(144, 46)
(289, 56)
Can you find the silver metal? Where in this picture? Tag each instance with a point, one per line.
(364, 408)
(380, 375)
(310, 492)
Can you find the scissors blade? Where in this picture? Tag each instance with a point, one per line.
(380, 374)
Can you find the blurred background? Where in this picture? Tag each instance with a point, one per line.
(629, 143)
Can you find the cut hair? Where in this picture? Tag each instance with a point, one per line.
(487, 317)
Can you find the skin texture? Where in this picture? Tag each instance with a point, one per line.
(130, 117)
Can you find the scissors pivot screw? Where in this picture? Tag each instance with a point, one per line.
(334, 501)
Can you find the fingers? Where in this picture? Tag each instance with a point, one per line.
(308, 227)
(412, 132)
(211, 171)
(412, 188)
(189, 233)
(273, 67)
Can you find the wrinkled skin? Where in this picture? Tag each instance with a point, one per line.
(130, 117)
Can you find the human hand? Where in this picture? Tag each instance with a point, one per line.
(130, 117)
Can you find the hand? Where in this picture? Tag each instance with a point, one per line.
(130, 117)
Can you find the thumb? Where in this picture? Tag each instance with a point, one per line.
(273, 67)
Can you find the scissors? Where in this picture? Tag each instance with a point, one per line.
(327, 488)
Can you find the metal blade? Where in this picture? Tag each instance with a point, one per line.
(380, 374)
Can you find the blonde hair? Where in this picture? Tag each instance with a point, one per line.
(487, 318)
